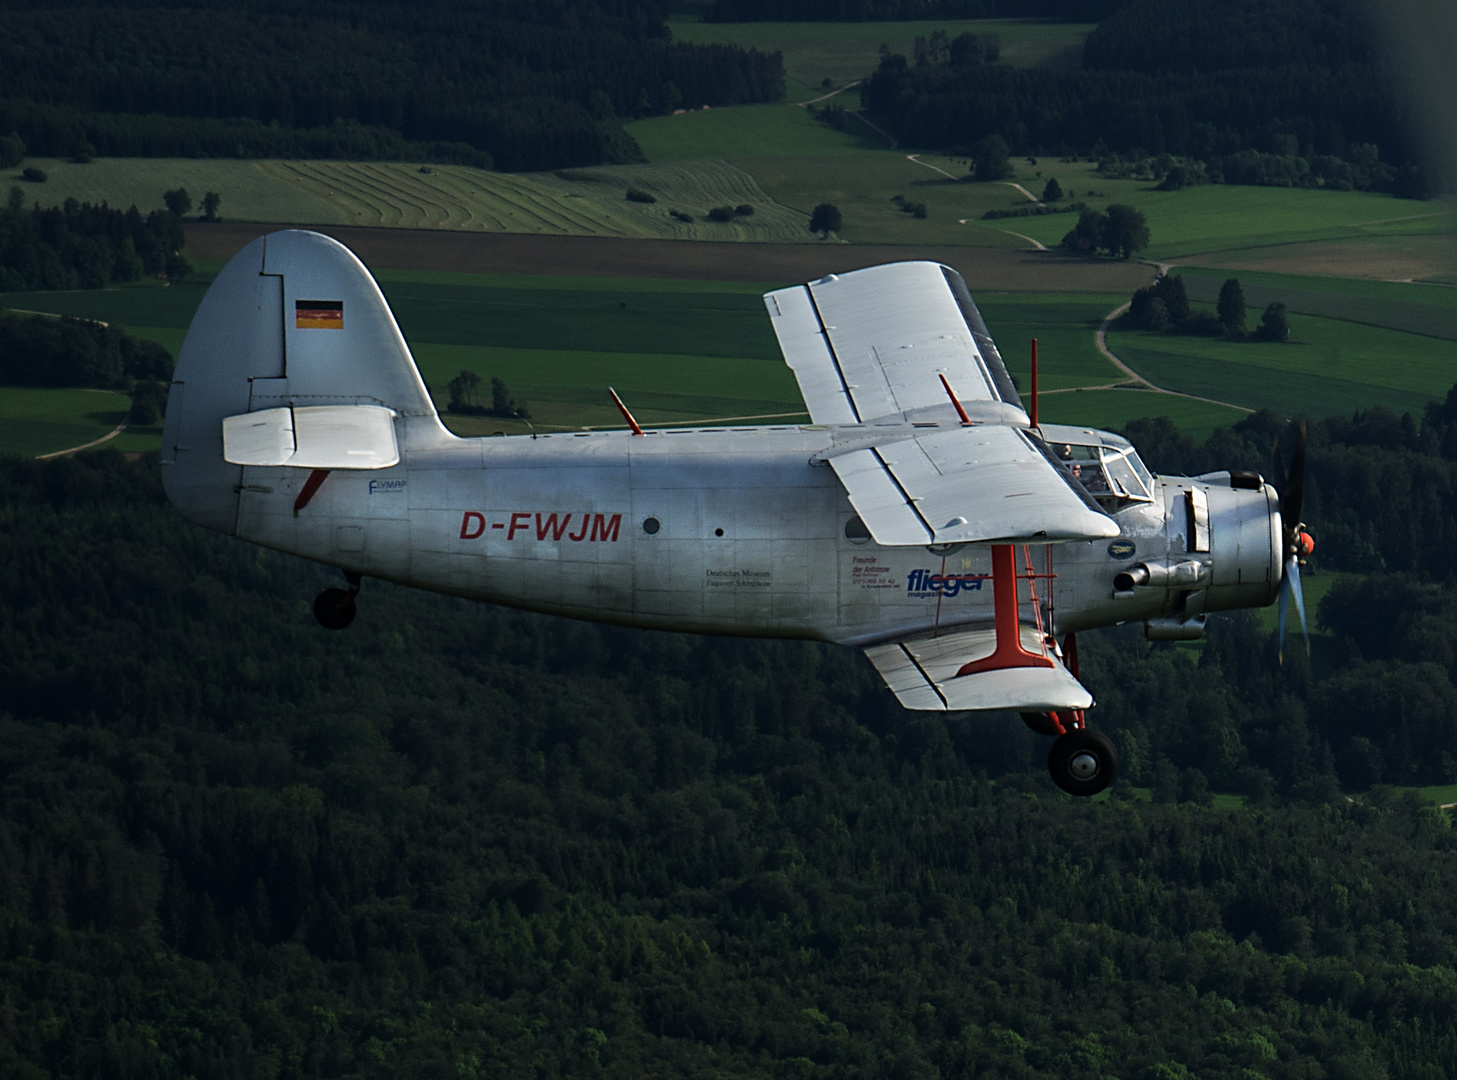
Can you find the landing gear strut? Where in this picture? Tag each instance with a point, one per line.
(1082, 761)
(334, 608)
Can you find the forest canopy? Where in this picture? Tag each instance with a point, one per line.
(459, 840)
(526, 86)
(1207, 80)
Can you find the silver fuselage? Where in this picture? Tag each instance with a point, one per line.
(729, 531)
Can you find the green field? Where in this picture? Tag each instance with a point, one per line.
(570, 202)
(846, 51)
(1416, 307)
(1222, 219)
(41, 420)
(678, 351)
(747, 131)
(1329, 367)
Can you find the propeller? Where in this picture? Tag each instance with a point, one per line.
(1297, 543)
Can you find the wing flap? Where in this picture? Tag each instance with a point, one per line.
(921, 672)
(988, 483)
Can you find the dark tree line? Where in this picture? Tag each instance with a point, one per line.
(37, 350)
(1156, 79)
(465, 841)
(78, 245)
(532, 85)
(907, 10)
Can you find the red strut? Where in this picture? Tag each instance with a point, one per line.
(1009, 652)
(1034, 382)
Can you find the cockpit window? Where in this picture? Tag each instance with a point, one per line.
(1107, 472)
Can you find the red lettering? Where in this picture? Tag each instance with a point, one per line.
(465, 524)
(523, 524)
(551, 526)
(581, 534)
(602, 529)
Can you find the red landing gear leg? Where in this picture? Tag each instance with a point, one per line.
(1009, 652)
(334, 608)
(1077, 718)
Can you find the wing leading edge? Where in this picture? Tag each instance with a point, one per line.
(980, 484)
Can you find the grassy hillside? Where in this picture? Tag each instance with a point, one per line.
(577, 202)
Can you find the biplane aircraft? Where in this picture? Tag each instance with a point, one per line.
(921, 515)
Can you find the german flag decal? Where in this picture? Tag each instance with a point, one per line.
(318, 314)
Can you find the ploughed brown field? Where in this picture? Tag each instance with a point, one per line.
(505, 253)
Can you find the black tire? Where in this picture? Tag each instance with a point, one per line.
(1083, 762)
(1040, 722)
(334, 608)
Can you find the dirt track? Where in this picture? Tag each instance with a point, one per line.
(985, 269)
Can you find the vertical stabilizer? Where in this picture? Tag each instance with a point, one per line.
(294, 320)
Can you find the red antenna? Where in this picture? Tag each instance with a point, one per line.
(625, 414)
(1034, 382)
(965, 420)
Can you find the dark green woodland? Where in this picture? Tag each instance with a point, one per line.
(456, 840)
(522, 85)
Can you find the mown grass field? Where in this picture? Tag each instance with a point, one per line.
(1329, 367)
(842, 52)
(572, 202)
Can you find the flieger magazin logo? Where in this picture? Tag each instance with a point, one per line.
(922, 583)
(1121, 549)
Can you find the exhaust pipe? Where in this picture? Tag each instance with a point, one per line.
(1184, 575)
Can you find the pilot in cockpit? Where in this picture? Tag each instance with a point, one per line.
(1085, 465)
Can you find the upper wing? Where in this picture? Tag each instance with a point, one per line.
(871, 343)
(989, 482)
(922, 672)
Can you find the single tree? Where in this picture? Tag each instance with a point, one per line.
(825, 219)
(149, 402)
(463, 391)
(210, 203)
(1231, 308)
(1052, 190)
(178, 201)
(1087, 233)
(1274, 326)
(1124, 232)
(502, 403)
(12, 150)
(990, 159)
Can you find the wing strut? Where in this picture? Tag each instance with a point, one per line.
(625, 414)
(1009, 652)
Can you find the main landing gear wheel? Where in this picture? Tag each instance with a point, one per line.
(335, 608)
(1083, 762)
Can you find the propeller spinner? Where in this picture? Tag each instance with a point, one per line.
(1297, 543)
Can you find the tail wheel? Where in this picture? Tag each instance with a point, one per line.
(334, 608)
(1083, 762)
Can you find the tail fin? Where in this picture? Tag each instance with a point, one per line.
(293, 320)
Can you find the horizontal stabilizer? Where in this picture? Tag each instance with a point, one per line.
(921, 672)
(313, 437)
(988, 483)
